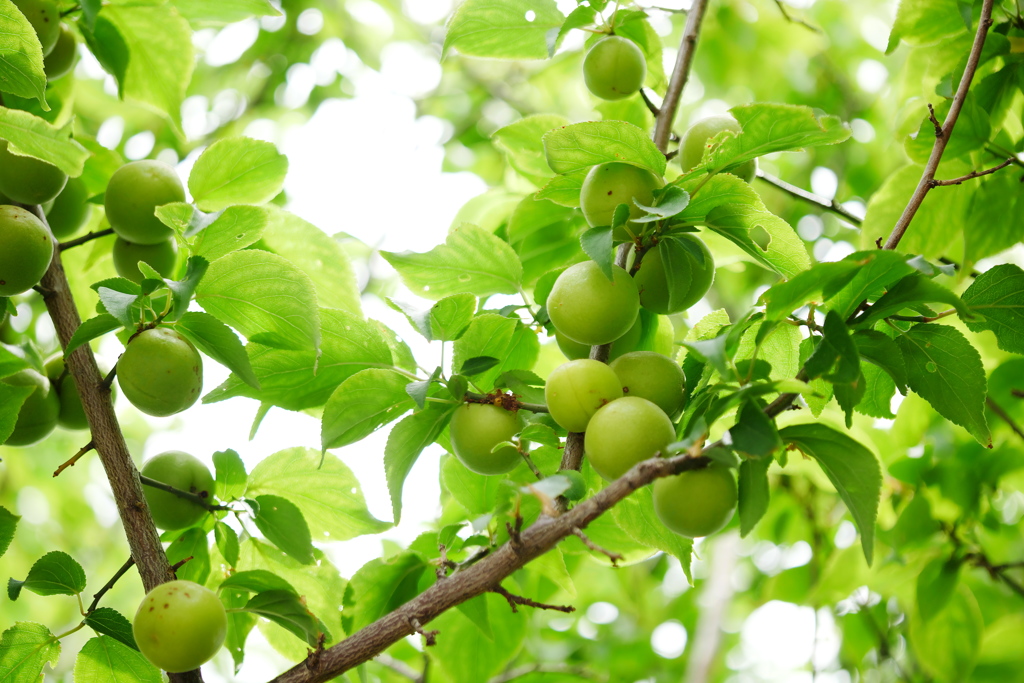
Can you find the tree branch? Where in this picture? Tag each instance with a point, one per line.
(187, 495)
(577, 671)
(85, 238)
(941, 140)
(972, 175)
(795, 20)
(800, 193)
(110, 584)
(680, 74)
(1004, 416)
(515, 601)
(142, 535)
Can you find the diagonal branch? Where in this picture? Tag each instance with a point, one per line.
(800, 193)
(680, 74)
(943, 135)
(972, 175)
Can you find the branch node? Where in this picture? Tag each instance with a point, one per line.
(443, 563)
(179, 564)
(935, 121)
(429, 637)
(514, 601)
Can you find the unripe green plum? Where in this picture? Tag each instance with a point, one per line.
(476, 428)
(653, 376)
(589, 308)
(577, 389)
(28, 180)
(38, 414)
(623, 433)
(573, 350)
(180, 626)
(697, 138)
(44, 15)
(72, 414)
(161, 257)
(26, 249)
(692, 279)
(612, 183)
(696, 503)
(133, 194)
(62, 58)
(614, 68)
(160, 372)
(69, 211)
(183, 472)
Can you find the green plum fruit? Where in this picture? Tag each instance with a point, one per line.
(160, 372)
(72, 414)
(70, 210)
(691, 282)
(623, 433)
(698, 502)
(180, 626)
(44, 15)
(161, 257)
(612, 183)
(183, 472)
(698, 137)
(614, 68)
(61, 60)
(38, 414)
(573, 350)
(588, 308)
(577, 389)
(28, 180)
(476, 428)
(133, 195)
(26, 249)
(653, 376)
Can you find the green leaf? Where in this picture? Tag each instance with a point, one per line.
(379, 587)
(836, 356)
(511, 29)
(564, 190)
(597, 244)
(204, 13)
(92, 328)
(972, 132)
(32, 136)
(884, 353)
(576, 147)
(362, 404)
(183, 290)
(287, 610)
(924, 22)
(25, 649)
(11, 400)
(467, 654)
(231, 476)
(237, 171)
(495, 336)
(450, 316)
(636, 516)
(297, 380)
(852, 469)
(876, 271)
(237, 227)
(227, 542)
(328, 496)
(106, 660)
(754, 432)
(55, 573)
(728, 205)
(256, 581)
(471, 260)
(789, 295)
(522, 145)
(945, 370)
(110, 622)
(192, 543)
(477, 365)
(754, 493)
(405, 443)
(282, 523)
(475, 492)
(159, 43)
(998, 296)
(262, 295)
(936, 585)
(217, 341)
(578, 18)
(947, 645)
(769, 128)
(995, 204)
(21, 56)
(913, 289)
(419, 318)
(8, 523)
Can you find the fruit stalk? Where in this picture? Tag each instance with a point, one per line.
(143, 539)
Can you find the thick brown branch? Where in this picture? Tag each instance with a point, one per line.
(143, 539)
(800, 193)
(972, 175)
(680, 74)
(943, 135)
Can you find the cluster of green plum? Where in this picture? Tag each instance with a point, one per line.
(54, 401)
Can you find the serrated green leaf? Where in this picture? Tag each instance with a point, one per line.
(405, 443)
(836, 356)
(576, 147)
(787, 296)
(511, 29)
(997, 295)
(231, 477)
(11, 400)
(31, 135)
(852, 469)
(875, 271)
(287, 610)
(936, 585)
(92, 328)
(922, 22)
(237, 171)
(217, 341)
(450, 316)
(522, 144)
(281, 521)
(754, 432)
(227, 542)
(203, 13)
(597, 244)
(379, 587)
(913, 289)
(25, 649)
(55, 573)
(477, 365)
(754, 493)
(945, 370)
(234, 228)
(21, 55)
(362, 404)
(110, 622)
(947, 645)
(106, 660)
(191, 544)
(8, 523)
(468, 654)
(636, 516)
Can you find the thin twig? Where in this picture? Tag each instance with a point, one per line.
(64, 246)
(651, 106)
(613, 556)
(946, 131)
(515, 601)
(971, 176)
(191, 497)
(795, 20)
(1004, 416)
(529, 462)
(680, 74)
(76, 457)
(577, 671)
(398, 666)
(110, 584)
(109, 379)
(800, 193)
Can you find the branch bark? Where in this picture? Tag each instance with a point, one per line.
(142, 535)
(680, 74)
(942, 136)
